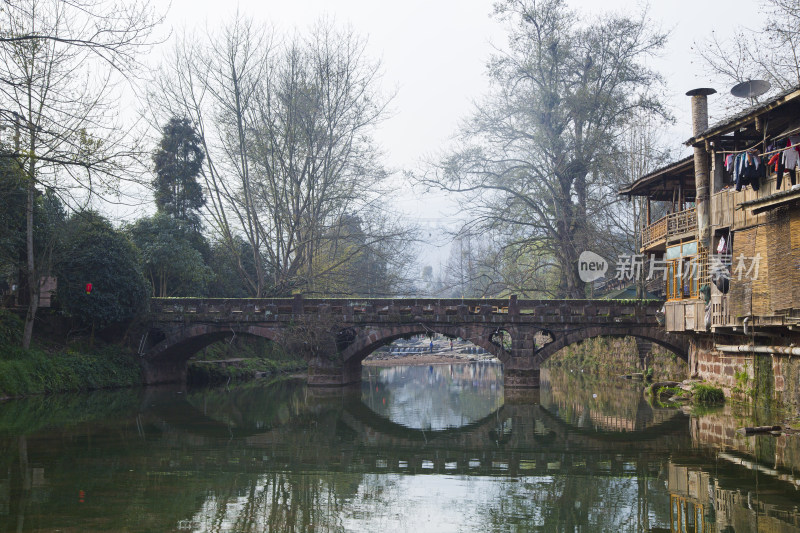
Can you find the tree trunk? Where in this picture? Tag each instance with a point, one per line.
(33, 282)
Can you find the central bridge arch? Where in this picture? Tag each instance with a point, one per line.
(369, 340)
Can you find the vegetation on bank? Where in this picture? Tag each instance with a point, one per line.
(35, 371)
(241, 359)
(217, 372)
(671, 394)
(707, 394)
(86, 365)
(614, 356)
(76, 367)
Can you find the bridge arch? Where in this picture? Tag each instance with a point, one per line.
(165, 361)
(677, 344)
(370, 339)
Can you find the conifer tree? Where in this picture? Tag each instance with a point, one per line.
(178, 162)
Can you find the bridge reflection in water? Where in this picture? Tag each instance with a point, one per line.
(290, 458)
(434, 397)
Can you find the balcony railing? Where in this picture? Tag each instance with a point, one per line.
(673, 224)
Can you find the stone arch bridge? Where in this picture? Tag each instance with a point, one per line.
(335, 335)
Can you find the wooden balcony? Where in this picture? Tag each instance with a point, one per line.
(674, 224)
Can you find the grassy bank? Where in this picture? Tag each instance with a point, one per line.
(55, 368)
(36, 371)
(614, 356)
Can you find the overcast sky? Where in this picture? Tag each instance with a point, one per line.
(434, 54)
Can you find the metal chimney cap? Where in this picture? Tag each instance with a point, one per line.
(703, 91)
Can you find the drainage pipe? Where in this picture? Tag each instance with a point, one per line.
(746, 348)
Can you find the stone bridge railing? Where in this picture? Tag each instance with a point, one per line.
(367, 310)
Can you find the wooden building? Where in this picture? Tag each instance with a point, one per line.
(730, 254)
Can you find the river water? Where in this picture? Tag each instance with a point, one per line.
(428, 448)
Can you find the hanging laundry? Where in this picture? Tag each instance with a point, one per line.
(748, 170)
(791, 156)
(729, 159)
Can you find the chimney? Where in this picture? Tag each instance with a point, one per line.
(701, 172)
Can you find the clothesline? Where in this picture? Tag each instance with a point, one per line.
(765, 153)
(739, 151)
(780, 149)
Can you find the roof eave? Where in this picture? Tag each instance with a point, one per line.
(736, 123)
(675, 166)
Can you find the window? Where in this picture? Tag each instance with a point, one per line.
(685, 269)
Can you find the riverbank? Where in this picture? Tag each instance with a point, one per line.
(424, 350)
(36, 371)
(53, 366)
(238, 369)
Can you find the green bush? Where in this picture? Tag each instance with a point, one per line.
(92, 251)
(10, 328)
(707, 394)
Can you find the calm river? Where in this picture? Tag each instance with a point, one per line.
(426, 448)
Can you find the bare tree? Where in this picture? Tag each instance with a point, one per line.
(643, 150)
(58, 65)
(534, 159)
(287, 130)
(770, 53)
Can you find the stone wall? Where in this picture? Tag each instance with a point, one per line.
(765, 378)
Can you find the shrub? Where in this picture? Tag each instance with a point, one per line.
(10, 328)
(707, 394)
(92, 251)
(668, 392)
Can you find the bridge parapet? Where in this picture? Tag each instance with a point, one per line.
(359, 309)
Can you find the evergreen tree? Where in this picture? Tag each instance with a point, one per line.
(90, 250)
(178, 162)
(170, 258)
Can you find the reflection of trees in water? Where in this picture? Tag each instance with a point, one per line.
(141, 472)
(245, 406)
(572, 503)
(27, 415)
(279, 501)
(434, 396)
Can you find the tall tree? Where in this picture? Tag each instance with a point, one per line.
(534, 159)
(58, 65)
(287, 130)
(178, 162)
